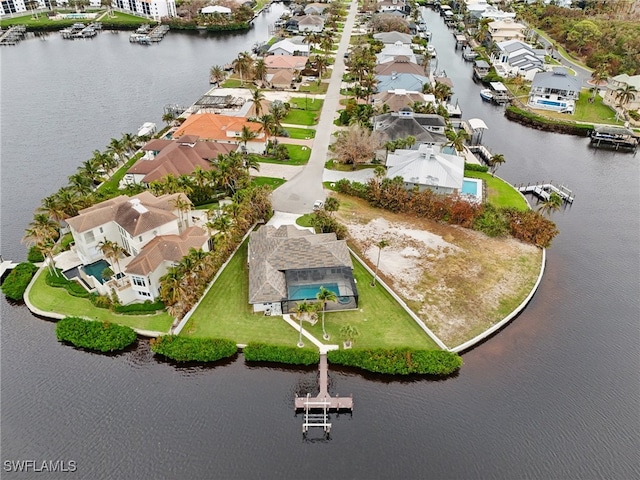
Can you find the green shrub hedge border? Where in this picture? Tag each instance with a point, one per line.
(93, 335)
(398, 361)
(184, 349)
(261, 352)
(18, 280)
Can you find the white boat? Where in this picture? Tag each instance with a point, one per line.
(486, 94)
(431, 50)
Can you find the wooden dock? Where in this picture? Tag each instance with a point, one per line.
(544, 191)
(316, 409)
(13, 35)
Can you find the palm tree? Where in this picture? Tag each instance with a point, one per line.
(51, 206)
(217, 74)
(552, 204)
(112, 251)
(242, 65)
(117, 148)
(495, 161)
(457, 139)
(91, 169)
(183, 205)
(246, 135)
(130, 142)
(257, 97)
(302, 309)
(349, 333)
(81, 183)
(43, 231)
(600, 74)
(625, 95)
(168, 118)
(251, 161)
(325, 295)
(260, 70)
(381, 244)
(268, 126)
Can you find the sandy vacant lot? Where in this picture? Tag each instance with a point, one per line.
(458, 281)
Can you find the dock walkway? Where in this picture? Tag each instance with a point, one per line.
(13, 35)
(544, 191)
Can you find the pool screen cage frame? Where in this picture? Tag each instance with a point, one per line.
(342, 276)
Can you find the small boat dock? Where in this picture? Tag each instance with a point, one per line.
(316, 409)
(146, 36)
(80, 30)
(614, 137)
(544, 191)
(13, 35)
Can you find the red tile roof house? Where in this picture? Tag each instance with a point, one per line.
(221, 129)
(154, 233)
(175, 157)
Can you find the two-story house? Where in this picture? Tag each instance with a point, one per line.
(555, 90)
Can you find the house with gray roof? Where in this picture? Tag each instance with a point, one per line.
(153, 232)
(427, 168)
(390, 38)
(289, 47)
(390, 52)
(288, 265)
(514, 57)
(402, 81)
(556, 90)
(424, 127)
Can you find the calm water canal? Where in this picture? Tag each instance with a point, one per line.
(553, 396)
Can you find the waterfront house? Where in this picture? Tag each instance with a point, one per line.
(139, 224)
(425, 128)
(427, 168)
(390, 52)
(398, 98)
(507, 29)
(402, 81)
(400, 64)
(315, 8)
(215, 9)
(621, 82)
(285, 62)
(556, 90)
(310, 23)
(223, 129)
(175, 157)
(280, 79)
(514, 57)
(288, 265)
(287, 47)
(391, 38)
(392, 6)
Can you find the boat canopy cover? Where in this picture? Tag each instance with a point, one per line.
(498, 87)
(477, 124)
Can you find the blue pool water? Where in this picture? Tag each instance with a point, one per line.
(95, 269)
(469, 187)
(309, 292)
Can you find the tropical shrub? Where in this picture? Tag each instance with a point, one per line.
(398, 361)
(71, 286)
(92, 335)
(492, 222)
(18, 280)
(474, 167)
(100, 301)
(260, 352)
(35, 255)
(136, 308)
(183, 349)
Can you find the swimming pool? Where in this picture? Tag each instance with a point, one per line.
(95, 269)
(309, 292)
(470, 187)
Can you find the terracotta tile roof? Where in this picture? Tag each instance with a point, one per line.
(137, 214)
(290, 62)
(179, 157)
(273, 251)
(280, 77)
(398, 99)
(166, 248)
(398, 66)
(211, 126)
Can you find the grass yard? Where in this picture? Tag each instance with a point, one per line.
(301, 117)
(310, 104)
(499, 192)
(232, 83)
(314, 87)
(270, 181)
(596, 112)
(381, 321)
(225, 312)
(305, 220)
(50, 299)
(298, 154)
(301, 133)
(111, 185)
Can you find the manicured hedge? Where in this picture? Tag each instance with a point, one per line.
(260, 352)
(138, 308)
(398, 361)
(71, 286)
(99, 336)
(35, 255)
(474, 167)
(183, 349)
(18, 280)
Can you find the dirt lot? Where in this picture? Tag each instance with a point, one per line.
(459, 282)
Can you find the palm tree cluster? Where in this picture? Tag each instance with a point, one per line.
(43, 233)
(185, 282)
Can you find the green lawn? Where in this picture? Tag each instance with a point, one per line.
(43, 22)
(301, 117)
(596, 112)
(315, 88)
(311, 104)
(57, 300)
(111, 185)
(225, 312)
(232, 83)
(379, 319)
(499, 192)
(297, 155)
(305, 220)
(301, 133)
(271, 181)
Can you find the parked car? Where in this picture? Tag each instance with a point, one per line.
(318, 205)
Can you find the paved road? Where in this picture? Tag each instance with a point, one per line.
(299, 194)
(582, 72)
